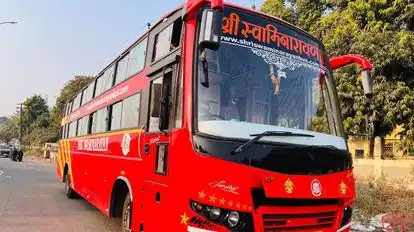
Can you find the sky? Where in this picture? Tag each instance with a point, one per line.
(55, 40)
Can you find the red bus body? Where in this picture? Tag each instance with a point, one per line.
(104, 167)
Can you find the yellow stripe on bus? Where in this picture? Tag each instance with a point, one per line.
(59, 159)
(70, 165)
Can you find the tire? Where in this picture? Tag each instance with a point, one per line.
(69, 192)
(127, 214)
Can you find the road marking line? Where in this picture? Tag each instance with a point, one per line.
(1, 172)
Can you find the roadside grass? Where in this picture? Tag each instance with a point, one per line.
(381, 195)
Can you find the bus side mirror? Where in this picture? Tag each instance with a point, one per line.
(367, 83)
(155, 99)
(211, 29)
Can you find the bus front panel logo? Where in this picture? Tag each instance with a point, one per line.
(316, 188)
(289, 186)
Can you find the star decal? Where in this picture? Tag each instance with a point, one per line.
(213, 198)
(230, 203)
(244, 206)
(250, 208)
(222, 201)
(184, 218)
(201, 195)
(238, 205)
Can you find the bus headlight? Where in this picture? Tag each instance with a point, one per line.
(214, 213)
(233, 219)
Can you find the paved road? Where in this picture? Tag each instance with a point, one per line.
(32, 200)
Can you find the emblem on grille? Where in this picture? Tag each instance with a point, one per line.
(126, 143)
(316, 188)
(342, 188)
(289, 186)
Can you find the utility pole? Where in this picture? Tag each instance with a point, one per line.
(19, 109)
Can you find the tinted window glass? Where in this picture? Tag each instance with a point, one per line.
(76, 102)
(162, 43)
(153, 122)
(69, 110)
(83, 126)
(167, 40)
(101, 118)
(137, 58)
(98, 87)
(88, 94)
(116, 111)
(83, 100)
(122, 69)
(130, 111)
(93, 122)
(108, 78)
(72, 129)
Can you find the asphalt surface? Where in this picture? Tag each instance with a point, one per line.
(33, 200)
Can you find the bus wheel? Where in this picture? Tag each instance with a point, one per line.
(69, 192)
(127, 214)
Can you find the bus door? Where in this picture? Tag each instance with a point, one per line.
(156, 155)
(163, 55)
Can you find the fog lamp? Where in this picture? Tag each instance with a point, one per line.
(214, 213)
(233, 219)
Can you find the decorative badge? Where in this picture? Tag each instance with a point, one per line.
(126, 143)
(342, 188)
(316, 188)
(289, 186)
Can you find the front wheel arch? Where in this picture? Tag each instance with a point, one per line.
(121, 188)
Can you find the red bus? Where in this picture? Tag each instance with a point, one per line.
(218, 118)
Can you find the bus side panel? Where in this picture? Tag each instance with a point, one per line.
(59, 162)
(99, 170)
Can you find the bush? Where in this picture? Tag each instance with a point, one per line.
(383, 196)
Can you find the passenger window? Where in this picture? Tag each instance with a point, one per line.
(167, 40)
(83, 126)
(102, 120)
(73, 129)
(137, 58)
(84, 100)
(130, 111)
(98, 87)
(76, 102)
(67, 131)
(115, 112)
(66, 110)
(78, 127)
(108, 79)
(122, 69)
(88, 93)
(92, 123)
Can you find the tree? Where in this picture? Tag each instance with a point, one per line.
(381, 30)
(10, 130)
(3, 120)
(67, 93)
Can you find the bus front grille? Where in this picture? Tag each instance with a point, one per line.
(299, 222)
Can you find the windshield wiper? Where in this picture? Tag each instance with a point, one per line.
(245, 145)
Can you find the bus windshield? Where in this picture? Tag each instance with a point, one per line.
(266, 76)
